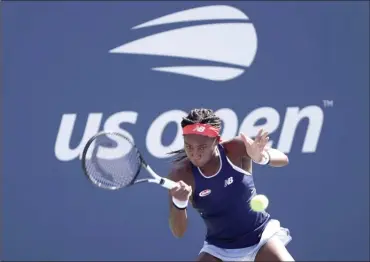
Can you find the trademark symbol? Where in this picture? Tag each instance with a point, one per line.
(328, 103)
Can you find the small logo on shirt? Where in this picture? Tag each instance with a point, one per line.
(205, 192)
(229, 181)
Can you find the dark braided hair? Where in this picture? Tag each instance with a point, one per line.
(202, 116)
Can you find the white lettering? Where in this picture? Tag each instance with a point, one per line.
(113, 124)
(293, 116)
(62, 149)
(155, 132)
(250, 128)
(230, 123)
(199, 129)
(229, 181)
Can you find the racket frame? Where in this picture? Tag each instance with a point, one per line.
(164, 182)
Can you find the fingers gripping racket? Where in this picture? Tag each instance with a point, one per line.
(111, 161)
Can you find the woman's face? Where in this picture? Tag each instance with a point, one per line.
(199, 149)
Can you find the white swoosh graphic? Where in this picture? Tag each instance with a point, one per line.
(232, 43)
(197, 14)
(214, 73)
(229, 43)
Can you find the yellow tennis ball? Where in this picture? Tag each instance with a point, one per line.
(259, 203)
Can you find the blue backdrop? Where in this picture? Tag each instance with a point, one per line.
(300, 70)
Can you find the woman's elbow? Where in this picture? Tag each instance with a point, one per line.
(286, 160)
(280, 162)
(278, 159)
(283, 161)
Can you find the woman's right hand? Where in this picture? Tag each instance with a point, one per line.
(182, 191)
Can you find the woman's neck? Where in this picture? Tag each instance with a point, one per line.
(213, 165)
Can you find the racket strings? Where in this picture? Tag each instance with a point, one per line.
(112, 165)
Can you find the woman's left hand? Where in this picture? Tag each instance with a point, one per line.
(256, 147)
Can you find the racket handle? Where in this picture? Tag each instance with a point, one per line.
(169, 184)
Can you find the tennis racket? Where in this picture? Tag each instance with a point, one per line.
(111, 161)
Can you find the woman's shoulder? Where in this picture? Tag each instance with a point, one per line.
(181, 170)
(234, 147)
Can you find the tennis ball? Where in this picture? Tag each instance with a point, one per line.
(259, 203)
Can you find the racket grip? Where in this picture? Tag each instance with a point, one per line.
(169, 184)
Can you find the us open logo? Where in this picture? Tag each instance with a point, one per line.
(226, 40)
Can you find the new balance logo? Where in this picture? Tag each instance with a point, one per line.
(199, 129)
(229, 181)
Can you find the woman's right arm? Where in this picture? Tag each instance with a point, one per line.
(178, 200)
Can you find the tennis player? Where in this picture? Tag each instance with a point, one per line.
(216, 178)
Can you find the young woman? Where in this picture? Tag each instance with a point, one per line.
(216, 178)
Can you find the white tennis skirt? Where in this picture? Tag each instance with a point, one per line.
(272, 229)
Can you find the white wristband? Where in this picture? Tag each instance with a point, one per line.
(265, 159)
(179, 203)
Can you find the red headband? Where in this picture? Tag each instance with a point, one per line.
(201, 129)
